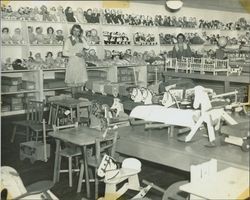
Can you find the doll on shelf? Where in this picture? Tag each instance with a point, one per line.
(50, 38)
(92, 55)
(60, 60)
(39, 62)
(69, 14)
(94, 38)
(60, 14)
(39, 35)
(79, 16)
(45, 13)
(88, 16)
(52, 13)
(49, 61)
(17, 38)
(36, 14)
(32, 37)
(7, 65)
(95, 16)
(6, 39)
(59, 36)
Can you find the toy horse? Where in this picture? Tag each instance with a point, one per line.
(114, 177)
(169, 99)
(136, 95)
(146, 96)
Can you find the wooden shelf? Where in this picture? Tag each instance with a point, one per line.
(53, 89)
(20, 91)
(17, 71)
(15, 112)
(14, 45)
(55, 69)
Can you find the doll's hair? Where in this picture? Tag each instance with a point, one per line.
(49, 53)
(181, 34)
(39, 27)
(77, 26)
(67, 10)
(50, 28)
(5, 28)
(31, 28)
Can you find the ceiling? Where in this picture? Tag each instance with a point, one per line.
(224, 5)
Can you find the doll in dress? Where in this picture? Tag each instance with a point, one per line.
(69, 14)
(79, 16)
(39, 62)
(50, 38)
(53, 14)
(94, 38)
(32, 37)
(95, 16)
(60, 14)
(59, 36)
(49, 61)
(17, 38)
(6, 39)
(88, 16)
(60, 60)
(39, 35)
(45, 13)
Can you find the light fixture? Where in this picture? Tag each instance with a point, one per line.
(174, 4)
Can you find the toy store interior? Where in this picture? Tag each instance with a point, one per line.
(129, 99)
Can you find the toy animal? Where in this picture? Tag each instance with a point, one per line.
(146, 96)
(136, 95)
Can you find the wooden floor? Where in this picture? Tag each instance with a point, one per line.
(161, 175)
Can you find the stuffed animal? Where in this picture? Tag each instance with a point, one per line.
(17, 38)
(69, 14)
(45, 13)
(59, 36)
(5, 37)
(39, 35)
(60, 14)
(79, 16)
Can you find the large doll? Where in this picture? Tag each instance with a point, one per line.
(17, 38)
(50, 38)
(39, 35)
(74, 48)
(69, 14)
(6, 39)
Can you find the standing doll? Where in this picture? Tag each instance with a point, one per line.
(74, 48)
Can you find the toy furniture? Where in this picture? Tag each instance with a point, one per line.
(69, 152)
(114, 177)
(81, 136)
(208, 183)
(12, 187)
(103, 146)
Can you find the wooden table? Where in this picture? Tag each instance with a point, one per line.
(80, 136)
(230, 183)
(70, 104)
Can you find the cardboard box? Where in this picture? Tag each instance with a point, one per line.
(5, 108)
(13, 100)
(10, 88)
(16, 106)
(29, 85)
(11, 80)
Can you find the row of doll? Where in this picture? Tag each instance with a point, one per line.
(52, 36)
(116, 16)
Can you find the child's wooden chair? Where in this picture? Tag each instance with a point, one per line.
(68, 152)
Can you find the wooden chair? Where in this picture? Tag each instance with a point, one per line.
(34, 116)
(69, 152)
(102, 147)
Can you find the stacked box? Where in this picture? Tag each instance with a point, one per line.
(5, 108)
(10, 88)
(98, 86)
(28, 85)
(52, 83)
(15, 103)
(16, 107)
(11, 80)
(60, 75)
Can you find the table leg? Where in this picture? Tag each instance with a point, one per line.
(84, 154)
(78, 113)
(56, 164)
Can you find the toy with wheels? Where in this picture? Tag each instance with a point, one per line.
(237, 134)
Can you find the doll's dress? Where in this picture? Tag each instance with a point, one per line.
(17, 39)
(6, 39)
(40, 38)
(50, 39)
(76, 73)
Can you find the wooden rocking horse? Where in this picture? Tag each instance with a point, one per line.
(113, 177)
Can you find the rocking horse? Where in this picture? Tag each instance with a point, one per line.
(136, 95)
(113, 177)
(147, 96)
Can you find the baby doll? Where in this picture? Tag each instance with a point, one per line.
(79, 16)
(45, 13)
(69, 14)
(52, 14)
(94, 38)
(60, 61)
(6, 39)
(59, 36)
(60, 14)
(17, 38)
(32, 37)
(39, 35)
(49, 61)
(50, 38)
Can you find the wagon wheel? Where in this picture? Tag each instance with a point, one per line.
(246, 145)
(174, 193)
